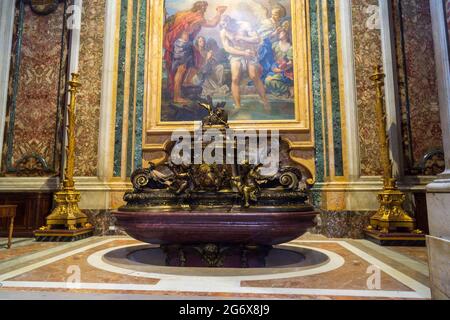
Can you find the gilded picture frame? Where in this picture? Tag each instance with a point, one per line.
(302, 121)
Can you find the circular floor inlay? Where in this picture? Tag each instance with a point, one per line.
(283, 261)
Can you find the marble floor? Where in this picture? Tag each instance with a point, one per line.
(109, 268)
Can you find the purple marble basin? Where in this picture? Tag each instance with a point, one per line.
(243, 228)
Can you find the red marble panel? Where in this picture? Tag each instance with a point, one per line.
(21, 250)
(367, 53)
(424, 116)
(448, 15)
(36, 109)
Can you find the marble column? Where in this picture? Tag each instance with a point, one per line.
(438, 192)
(75, 12)
(73, 24)
(392, 100)
(364, 189)
(6, 32)
(350, 98)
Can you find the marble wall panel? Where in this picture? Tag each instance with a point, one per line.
(422, 94)
(35, 114)
(367, 53)
(416, 78)
(447, 4)
(90, 69)
(342, 224)
(104, 223)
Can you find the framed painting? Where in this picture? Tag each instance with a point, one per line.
(251, 54)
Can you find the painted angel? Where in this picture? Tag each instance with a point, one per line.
(270, 14)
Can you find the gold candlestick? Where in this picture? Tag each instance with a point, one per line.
(390, 217)
(67, 221)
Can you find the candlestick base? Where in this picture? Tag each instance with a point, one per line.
(391, 217)
(63, 235)
(403, 239)
(66, 220)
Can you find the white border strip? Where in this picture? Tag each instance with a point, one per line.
(236, 290)
(96, 260)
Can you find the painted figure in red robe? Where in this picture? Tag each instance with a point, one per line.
(180, 31)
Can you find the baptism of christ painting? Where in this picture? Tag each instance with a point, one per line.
(234, 51)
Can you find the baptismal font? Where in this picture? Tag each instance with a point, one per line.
(226, 214)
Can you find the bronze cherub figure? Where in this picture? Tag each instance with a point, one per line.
(248, 182)
(217, 115)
